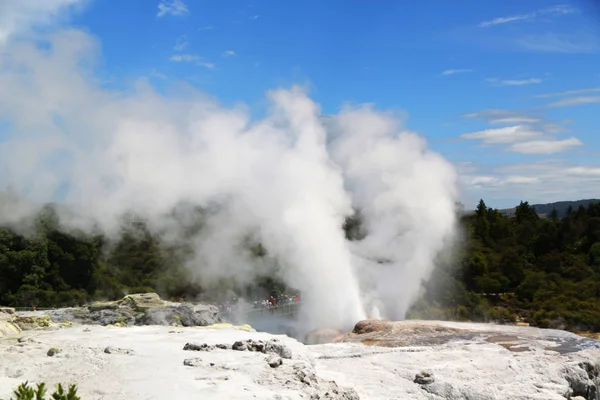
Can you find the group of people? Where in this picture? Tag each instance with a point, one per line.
(276, 301)
(271, 302)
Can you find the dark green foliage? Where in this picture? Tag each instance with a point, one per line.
(543, 271)
(25, 392)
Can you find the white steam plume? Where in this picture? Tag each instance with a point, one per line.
(105, 152)
(406, 195)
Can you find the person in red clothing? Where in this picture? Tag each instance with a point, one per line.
(297, 298)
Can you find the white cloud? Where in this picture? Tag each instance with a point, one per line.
(515, 120)
(500, 116)
(19, 16)
(205, 64)
(255, 17)
(512, 82)
(525, 139)
(504, 20)
(484, 180)
(545, 146)
(568, 93)
(539, 182)
(581, 42)
(552, 11)
(509, 134)
(228, 53)
(456, 71)
(155, 74)
(584, 171)
(521, 179)
(184, 58)
(175, 8)
(192, 58)
(181, 43)
(575, 101)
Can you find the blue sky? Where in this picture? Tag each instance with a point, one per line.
(507, 90)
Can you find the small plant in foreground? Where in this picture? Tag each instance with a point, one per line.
(25, 392)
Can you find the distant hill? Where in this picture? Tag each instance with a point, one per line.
(560, 206)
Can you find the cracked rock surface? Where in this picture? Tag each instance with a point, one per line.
(435, 362)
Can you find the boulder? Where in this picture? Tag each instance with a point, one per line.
(103, 305)
(30, 322)
(274, 361)
(274, 346)
(53, 351)
(141, 301)
(7, 310)
(140, 309)
(7, 325)
(118, 350)
(192, 362)
(424, 378)
(371, 325)
(180, 314)
(8, 328)
(197, 347)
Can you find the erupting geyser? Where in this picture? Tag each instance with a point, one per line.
(288, 180)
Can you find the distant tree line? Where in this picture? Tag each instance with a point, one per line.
(544, 271)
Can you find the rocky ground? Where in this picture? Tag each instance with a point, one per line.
(378, 360)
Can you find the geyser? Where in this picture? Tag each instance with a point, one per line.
(287, 180)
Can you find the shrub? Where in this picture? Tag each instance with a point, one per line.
(25, 392)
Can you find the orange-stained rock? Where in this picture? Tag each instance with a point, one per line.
(371, 325)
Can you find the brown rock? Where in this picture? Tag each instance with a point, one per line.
(371, 325)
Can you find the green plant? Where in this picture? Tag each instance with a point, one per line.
(25, 392)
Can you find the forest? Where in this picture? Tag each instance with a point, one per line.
(544, 271)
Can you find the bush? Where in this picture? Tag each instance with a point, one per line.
(25, 392)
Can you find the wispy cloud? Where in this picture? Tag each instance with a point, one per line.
(192, 58)
(181, 43)
(456, 71)
(175, 8)
(504, 20)
(228, 53)
(155, 74)
(575, 101)
(184, 58)
(544, 146)
(525, 139)
(255, 17)
(499, 116)
(512, 82)
(538, 182)
(569, 93)
(521, 180)
(515, 120)
(585, 171)
(509, 134)
(581, 42)
(206, 28)
(552, 11)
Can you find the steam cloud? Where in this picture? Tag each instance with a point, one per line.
(289, 179)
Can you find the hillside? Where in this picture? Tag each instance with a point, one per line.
(561, 207)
